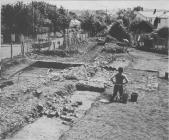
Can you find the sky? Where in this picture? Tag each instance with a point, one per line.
(102, 4)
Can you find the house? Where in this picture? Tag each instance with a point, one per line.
(164, 20)
(157, 18)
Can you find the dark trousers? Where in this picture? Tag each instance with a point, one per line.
(117, 88)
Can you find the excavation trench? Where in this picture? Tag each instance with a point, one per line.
(55, 65)
(53, 128)
(35, 80)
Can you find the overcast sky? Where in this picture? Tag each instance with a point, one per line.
(103, 4)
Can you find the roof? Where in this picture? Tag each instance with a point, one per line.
(165, 15)
(150, 14)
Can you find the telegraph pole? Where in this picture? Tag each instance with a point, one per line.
(33, 24)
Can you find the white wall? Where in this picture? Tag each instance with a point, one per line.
(164, 22)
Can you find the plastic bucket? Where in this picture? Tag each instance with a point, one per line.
(134, 97)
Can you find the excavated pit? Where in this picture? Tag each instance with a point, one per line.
(56, 65)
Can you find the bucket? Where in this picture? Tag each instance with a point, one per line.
(134, 97)
(124, 98)
(166, 75)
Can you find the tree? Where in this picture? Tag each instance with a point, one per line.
(141, 27)
(16, 19)
(87, 22)
(127, 16)
(28, 19)
(8, 17)
(119, 32)
(108, 20)
(23, 19)
(138, 8)
(62, 22)
(60, 19)
(72, 14)
(92, 24)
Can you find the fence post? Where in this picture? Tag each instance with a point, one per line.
(11, 50)
(23, 48)
(12, 40)
(27, 46)
(22, 44)
(0, 64)
(54, 45)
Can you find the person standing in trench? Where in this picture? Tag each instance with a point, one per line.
(119, 80)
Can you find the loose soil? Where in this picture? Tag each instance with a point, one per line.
(42, 102)
(52, 128)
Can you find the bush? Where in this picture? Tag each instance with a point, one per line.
(119, 32)
(141, 27)
(163, 32)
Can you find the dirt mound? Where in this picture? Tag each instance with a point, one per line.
(113, 48)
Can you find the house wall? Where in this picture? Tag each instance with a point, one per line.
(140, 17)
(164, 22)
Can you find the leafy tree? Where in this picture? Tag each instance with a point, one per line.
(8, 17)
(28, 19)
(60, 19)
(87, 22)
(138, 8)
(141, 27)
(119, 32)
(72, 14)
(62, 11)
(92, 24)
(108, 20)
(16, 19)
(127, 16)
(62, 22)
(23, 19)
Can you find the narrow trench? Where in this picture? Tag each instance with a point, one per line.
(55, 65)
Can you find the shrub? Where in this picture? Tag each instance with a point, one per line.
(163, 32)
(119, 32)
(141, 27)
